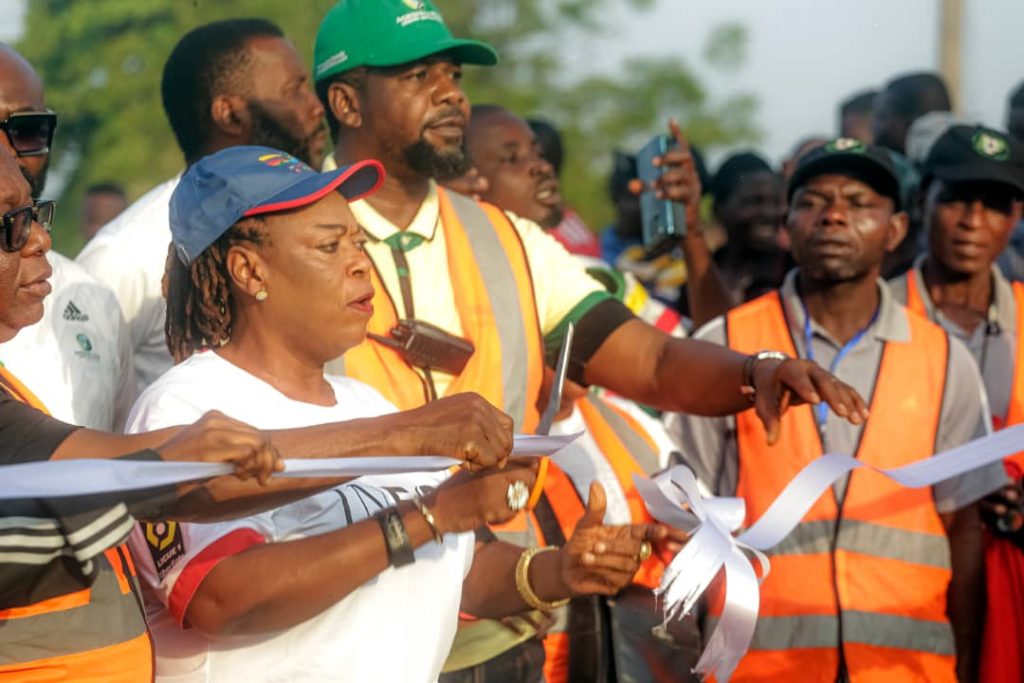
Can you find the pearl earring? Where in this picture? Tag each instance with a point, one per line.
(262, 295)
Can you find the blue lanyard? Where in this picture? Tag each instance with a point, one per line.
(821, 410)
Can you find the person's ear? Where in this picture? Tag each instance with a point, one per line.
(345, 105)
(247, 269)
(899, 224)
(230, 115)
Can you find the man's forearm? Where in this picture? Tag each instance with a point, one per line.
(683, 375)
(706, 294)
(966, 596)
(490, 591)
(229, 497)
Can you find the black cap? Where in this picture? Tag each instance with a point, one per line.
(976, 154)
(872, 165)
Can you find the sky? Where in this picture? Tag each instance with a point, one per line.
(806, 56)
(803, 56)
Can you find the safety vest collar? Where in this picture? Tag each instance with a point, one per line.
(890, 323)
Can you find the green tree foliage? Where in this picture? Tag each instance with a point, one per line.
(101, 62)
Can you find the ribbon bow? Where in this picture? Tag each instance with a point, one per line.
(673, 498)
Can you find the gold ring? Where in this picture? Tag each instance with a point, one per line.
(517, 496)
(645, 551)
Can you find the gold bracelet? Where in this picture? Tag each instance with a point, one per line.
(523, 582)
(429, 518)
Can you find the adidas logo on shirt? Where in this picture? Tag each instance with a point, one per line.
(73, 313)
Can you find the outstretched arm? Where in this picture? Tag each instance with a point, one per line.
(290, 582)
(464, 427)
(685, 375)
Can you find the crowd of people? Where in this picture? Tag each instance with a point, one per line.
(357, 261)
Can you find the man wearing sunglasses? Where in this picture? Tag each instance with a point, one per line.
(76, 352)
(30, 135)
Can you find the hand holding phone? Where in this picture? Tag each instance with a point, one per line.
(668, 175)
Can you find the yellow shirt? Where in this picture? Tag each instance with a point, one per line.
(560, 282)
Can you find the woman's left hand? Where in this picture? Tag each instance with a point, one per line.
(600, 559)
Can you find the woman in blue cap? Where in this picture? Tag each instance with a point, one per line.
(271, 282)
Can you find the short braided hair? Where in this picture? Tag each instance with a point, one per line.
(200, 305)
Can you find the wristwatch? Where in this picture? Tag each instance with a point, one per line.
(748, 388)
(396, 538)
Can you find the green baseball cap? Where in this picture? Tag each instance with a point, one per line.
(388, 33)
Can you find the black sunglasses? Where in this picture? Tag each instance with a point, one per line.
(17, 224)
(30, 132)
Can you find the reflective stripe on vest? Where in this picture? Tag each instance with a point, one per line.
(96, 634)
(494, 296)
(1015, 408)
(886, 561)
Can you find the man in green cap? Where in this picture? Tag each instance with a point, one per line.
(469, 297)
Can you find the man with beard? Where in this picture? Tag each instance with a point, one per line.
(93, 382)
(231, 82)
(862, 588)
(468, 297)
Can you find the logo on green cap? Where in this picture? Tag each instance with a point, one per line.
(415, 4)
(846, 145)
(991, 145)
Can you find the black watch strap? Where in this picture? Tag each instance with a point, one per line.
(396, 538)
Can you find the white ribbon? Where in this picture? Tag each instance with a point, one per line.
(672, 498)
(56, 478)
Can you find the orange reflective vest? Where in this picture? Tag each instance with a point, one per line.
(497, 308)
(94, 635)
(1001, 658)
(1015, 409)
(861, 581)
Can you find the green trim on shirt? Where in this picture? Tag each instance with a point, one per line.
(553, 339)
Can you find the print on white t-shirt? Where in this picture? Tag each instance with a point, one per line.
(413, 609)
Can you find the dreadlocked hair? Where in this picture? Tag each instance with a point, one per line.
(200, 305)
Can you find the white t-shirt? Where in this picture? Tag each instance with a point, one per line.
(397, 627)
(128, 255)
(78, 358)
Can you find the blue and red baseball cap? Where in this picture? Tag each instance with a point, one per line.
(220, 189)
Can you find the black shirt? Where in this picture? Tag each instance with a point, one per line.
(27, 434)
(41, 561)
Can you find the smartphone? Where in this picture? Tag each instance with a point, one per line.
(663, 221)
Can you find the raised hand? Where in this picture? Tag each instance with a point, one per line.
(601, 559)
(680, 181)
(216, 437)
(463, 426)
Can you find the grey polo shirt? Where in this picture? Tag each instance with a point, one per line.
(993, 344)
(708, 445)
